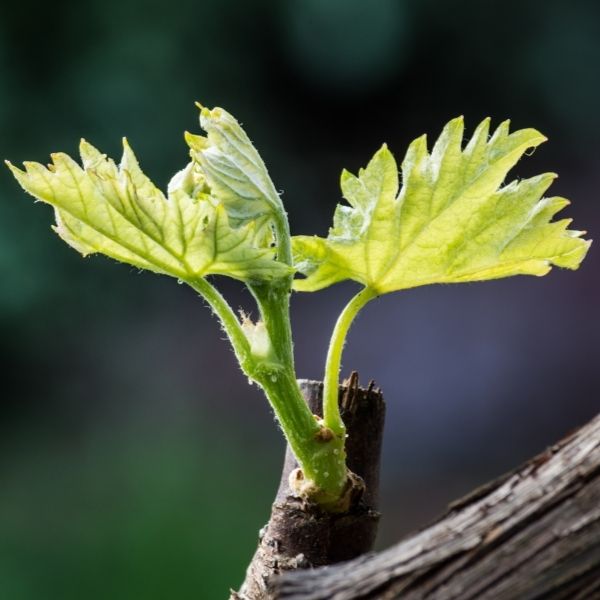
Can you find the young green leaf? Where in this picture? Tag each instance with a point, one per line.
(235, 171)
(117, 211)
(452, 221)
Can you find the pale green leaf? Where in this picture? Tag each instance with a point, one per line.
(117, 211)
(235, 171)
(453, 220)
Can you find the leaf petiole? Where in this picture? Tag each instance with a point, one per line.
(331, 410)
(228, 319)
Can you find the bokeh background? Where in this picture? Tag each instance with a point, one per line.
(135, 461)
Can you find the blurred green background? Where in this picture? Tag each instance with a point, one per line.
(135, 461)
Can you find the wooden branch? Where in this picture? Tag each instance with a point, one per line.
(300, 535)
(532, 534)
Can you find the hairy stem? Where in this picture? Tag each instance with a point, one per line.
(284, 244)
(321, 459)
(320, 465)
(331, 411)
(228, 319)
(320, 455)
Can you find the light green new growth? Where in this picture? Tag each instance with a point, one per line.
(221, 216)
(234, 169)
(117, 211)
(453, 219)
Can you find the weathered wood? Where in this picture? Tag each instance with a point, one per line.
(300, 535)
(532, 534)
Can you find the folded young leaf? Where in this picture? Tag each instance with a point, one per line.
(117, 211)
(235, 171)
(452, 221)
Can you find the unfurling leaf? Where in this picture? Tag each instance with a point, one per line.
(117, 211)
(235, 171)
(452, 221)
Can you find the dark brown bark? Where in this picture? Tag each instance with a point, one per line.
(532, 534)
(300, 535)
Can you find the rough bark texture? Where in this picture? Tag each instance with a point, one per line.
(532, 534)
(300, 535)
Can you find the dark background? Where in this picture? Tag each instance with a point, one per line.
(135, 461)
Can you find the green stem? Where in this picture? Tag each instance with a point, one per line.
(321, 458)
(323, 461)
(229, 321)
(275, 304)
(331, 410)
(276, 378)
(284, 244)
(298, 424)
(281, 387)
